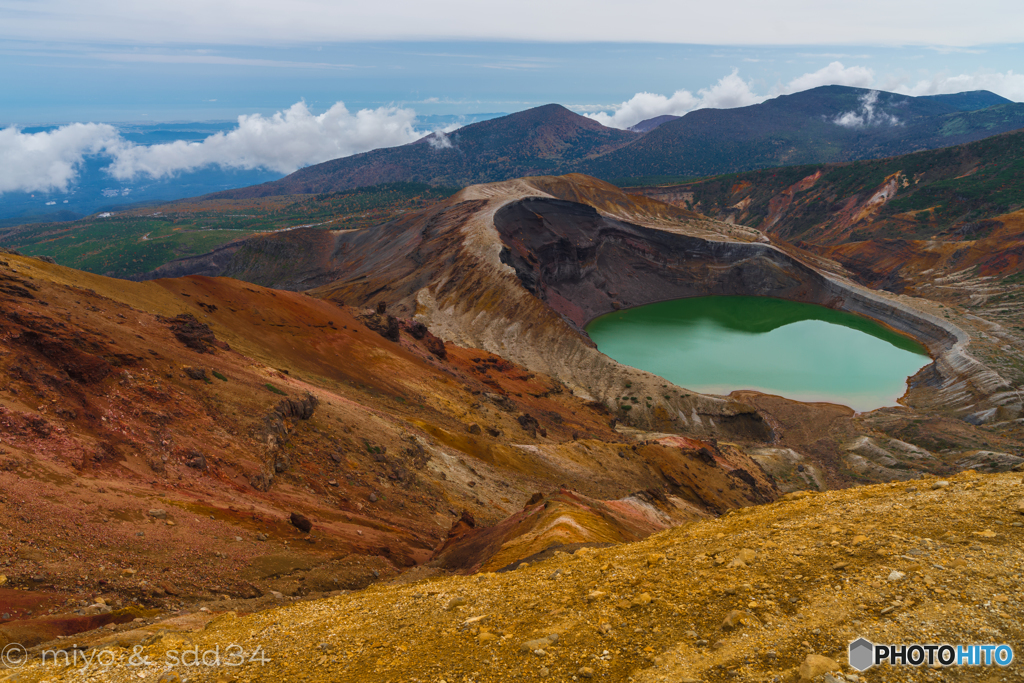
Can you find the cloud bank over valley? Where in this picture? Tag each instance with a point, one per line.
(50, 161)
(283, 142)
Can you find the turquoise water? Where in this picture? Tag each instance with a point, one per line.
(718, 344)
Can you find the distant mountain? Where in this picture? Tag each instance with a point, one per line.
(827, 124)
(969, 101)
(537, 141)
(647, 125)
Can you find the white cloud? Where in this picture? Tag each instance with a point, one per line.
(50, 161)
(946, 50)
(733, 91)
(193, 58)
(867, 115)
(642, 106)
(730, 91)
(283, 142)
(1009, 85)
(833, 74)
(831, 55)
(439, 140)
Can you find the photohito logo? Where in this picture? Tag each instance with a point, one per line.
(864, 654)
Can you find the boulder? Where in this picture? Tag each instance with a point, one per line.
(301, 522)
(816, 665)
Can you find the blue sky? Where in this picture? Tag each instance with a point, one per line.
(62, 83)
(310, 80)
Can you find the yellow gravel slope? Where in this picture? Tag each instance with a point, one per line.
(747, 597)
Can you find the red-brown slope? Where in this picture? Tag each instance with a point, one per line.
(140, 468)
(886, 262)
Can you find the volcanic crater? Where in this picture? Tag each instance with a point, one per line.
(422, 394)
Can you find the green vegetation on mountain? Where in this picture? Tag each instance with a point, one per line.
(138, 240)
(948, 191)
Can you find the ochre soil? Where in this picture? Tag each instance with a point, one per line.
(759, 594)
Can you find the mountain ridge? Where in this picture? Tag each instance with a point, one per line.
(825, 124)
(530, 142)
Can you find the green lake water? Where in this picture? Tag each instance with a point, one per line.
(718, 344)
